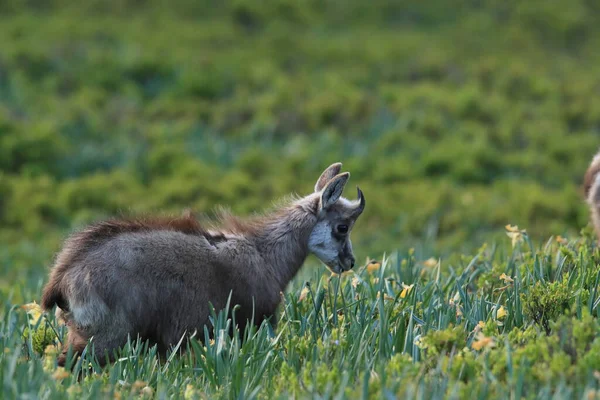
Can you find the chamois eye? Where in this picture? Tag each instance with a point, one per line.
(342, 228)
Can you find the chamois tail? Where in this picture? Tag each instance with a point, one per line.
(591, 187)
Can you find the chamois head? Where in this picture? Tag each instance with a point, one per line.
(330, 238)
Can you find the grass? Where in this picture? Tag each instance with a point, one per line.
(504, 322)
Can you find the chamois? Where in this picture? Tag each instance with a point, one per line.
(591, 188)
(154, 278)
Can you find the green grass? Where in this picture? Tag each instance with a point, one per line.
(413, 327)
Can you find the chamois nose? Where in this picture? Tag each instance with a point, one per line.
(352, 260)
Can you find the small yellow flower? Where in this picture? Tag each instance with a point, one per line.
(419, 342)
(482, 341)
(355, 282)
(50, 350)
(459, 312)
(501, 313)
(481, 324)
(406, 290)
(34, 310)
(117, 396)
(506, 278)
(147, 391)
(514, 234)
(561, 240)
(385, 296)
(60, 374)
(74, 390)
(189, 393)
(374, 377)
(511, 228)
(430, 263)
(373, 266)
(303, 293)
(137, 385)
(455, 300)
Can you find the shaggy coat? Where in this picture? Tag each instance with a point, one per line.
(154, 278)
(591, 188)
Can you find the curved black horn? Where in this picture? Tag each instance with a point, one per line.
(361, 205)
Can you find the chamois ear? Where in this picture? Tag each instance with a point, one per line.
(333, 190)
(326, 176)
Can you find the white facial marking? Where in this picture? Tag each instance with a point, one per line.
(323, 245)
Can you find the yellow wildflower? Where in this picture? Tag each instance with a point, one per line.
(50, 350)
(355, 282)
(482, 341)
(303, 293)
(506, 278)
(74, 390)
(34, 310)
(514, 234)
(60, 374)
(455, 300)
(592, 394)
(406, 289)
(374, 377)
(373, 266)
(419, 342)
(501, 313)
(561, 240)
(430, 263)
(481, 324)
(137, 385)
(189, 393)
(385, 296)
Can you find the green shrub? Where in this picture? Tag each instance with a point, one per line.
(545, 302)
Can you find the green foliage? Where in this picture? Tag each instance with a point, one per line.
(40, 337)
(439, 342)
(546, 302)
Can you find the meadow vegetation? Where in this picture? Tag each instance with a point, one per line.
(454, 120)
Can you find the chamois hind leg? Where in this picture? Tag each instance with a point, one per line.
(107, 341)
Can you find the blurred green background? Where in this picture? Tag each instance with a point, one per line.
(455, 117)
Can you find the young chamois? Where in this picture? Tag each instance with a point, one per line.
(591, 188)
(154, 278)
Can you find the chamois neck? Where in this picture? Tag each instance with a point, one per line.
(283, 239)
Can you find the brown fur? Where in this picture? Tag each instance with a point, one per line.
(591, 189)
(155, 277)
